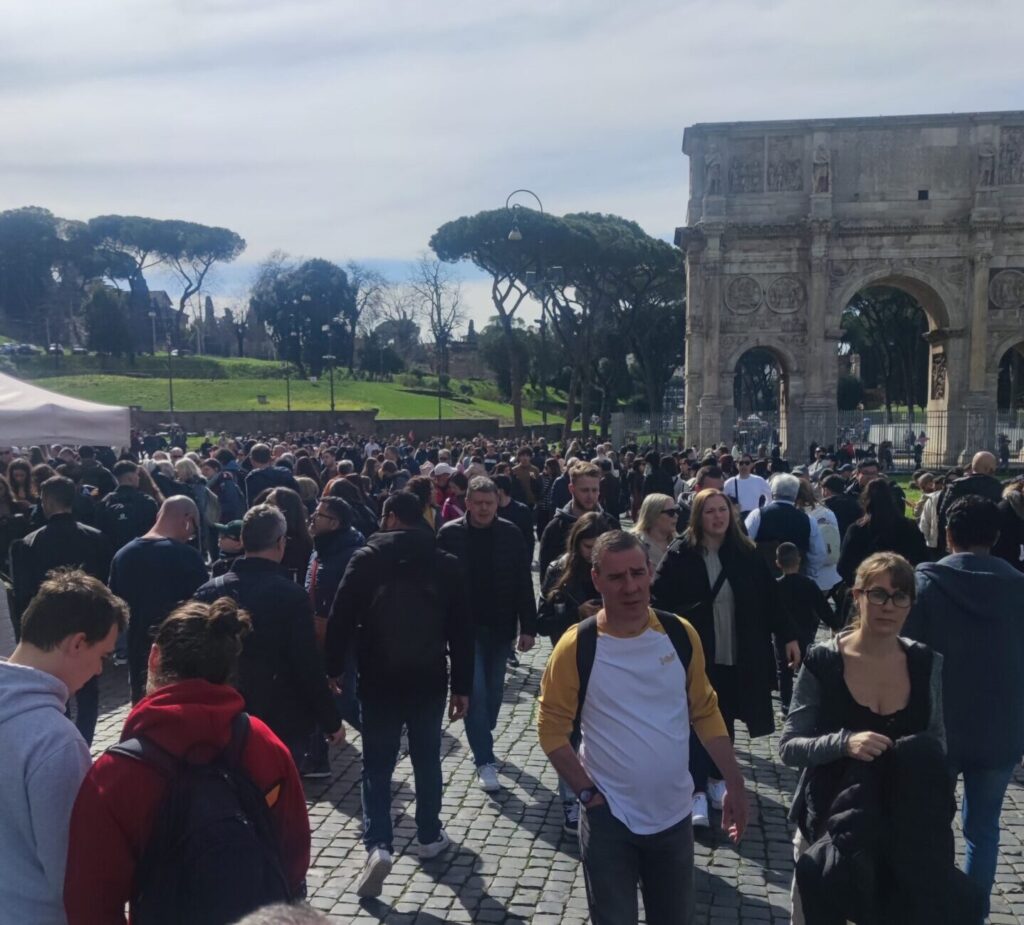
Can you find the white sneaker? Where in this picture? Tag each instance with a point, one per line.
(700, 811)
(716, 792)
(378, 866)
(434, 848)
(571, 812)
(487, 777)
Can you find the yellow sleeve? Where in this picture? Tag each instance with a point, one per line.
(559, 694)
(705, 717)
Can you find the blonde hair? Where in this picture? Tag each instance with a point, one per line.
(186, 469)
(651, 509)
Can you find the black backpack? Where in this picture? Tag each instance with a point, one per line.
(586, 652)
(404, 624)
(213, 855)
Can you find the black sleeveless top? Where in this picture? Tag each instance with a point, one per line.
(911, 719)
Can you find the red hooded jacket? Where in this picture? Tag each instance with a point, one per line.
(114, 812)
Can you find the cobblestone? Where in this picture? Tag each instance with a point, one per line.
(512, 863)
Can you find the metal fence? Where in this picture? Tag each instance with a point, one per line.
(900, 440)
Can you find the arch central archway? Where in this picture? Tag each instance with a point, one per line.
(760, 394)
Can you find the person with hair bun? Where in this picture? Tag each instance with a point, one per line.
(189, 711)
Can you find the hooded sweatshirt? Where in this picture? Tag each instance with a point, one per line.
(115, 810)
(44, 761)
(968, 608)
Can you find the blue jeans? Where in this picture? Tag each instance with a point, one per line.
(490, 659)
(382, 734)
(984, 789)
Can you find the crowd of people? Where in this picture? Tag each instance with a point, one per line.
(265, 594)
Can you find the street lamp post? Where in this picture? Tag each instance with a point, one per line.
(152, 321)
(329, 331)
(329, 359)
(170, 378)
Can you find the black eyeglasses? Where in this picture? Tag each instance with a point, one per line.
(671, 511)
(880, 597)
(745, 462)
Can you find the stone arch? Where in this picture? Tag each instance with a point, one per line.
(791, 384)
(931, 294)
(1007, 343)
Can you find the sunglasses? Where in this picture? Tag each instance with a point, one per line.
(746, 462)
(671, 511)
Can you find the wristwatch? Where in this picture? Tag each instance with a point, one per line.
(587, 794)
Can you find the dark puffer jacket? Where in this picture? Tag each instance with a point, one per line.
(888, 853)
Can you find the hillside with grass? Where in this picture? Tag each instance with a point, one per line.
(239, 384)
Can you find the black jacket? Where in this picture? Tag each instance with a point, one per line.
(987, 486)
(519, 514)
(511, 582)
(97, 476)
(552, 540)
(847, 510)
(331, 554)
(268, 477)
(1011, 530)
(681, 586)
(888, 853)
(390, 660)
(125, 514)
(557, 612)
(281, 674)
(861, 541)
(62, 542)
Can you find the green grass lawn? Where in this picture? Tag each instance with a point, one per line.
(241, 395)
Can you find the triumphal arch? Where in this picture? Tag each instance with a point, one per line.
(787, 221)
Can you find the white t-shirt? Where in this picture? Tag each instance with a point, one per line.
(635, 727)
(747, 493)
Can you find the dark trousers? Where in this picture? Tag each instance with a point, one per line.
(725, 681)
(318, 752)
(784, 672)
(87, 708)
(382, 733)
(615, 860)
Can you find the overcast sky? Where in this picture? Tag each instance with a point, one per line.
(351, 130)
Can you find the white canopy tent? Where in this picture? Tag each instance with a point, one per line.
(31, 415)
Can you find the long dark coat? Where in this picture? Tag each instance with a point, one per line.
(681, 586)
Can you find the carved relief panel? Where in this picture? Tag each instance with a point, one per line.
(785, 163)
(1011, 155)
(938, 384)
(746, 165)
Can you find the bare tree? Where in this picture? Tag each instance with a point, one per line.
(438, 294)
(370, 289)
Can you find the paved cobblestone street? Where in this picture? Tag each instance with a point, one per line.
(511, 861)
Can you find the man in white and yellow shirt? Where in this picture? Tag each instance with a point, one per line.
(631, 773)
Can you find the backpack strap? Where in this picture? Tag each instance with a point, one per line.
(677, 635)
(147, 752)
(240, 728)
(586, 652)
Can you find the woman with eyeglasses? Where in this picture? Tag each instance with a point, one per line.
(715, 578)
(656, 525)
(856, 697)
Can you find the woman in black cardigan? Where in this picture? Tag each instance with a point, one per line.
(714, 577)
(883, 528)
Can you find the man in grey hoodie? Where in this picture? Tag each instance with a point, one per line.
(968, 608)
(68, 628)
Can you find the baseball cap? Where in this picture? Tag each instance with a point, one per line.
(846, 467)
(232, 529)
(443, 469)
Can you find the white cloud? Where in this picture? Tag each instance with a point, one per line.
(353, 129)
